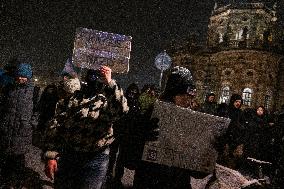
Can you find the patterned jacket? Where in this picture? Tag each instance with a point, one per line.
(86, 124)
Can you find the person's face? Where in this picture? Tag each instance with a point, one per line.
(260, 111)
(211, 98)
(191, 92)
(65, 78)
(237, 103)
(132, 94)
(151, 92)
(183, 100)
(21, 80)
(50, 90)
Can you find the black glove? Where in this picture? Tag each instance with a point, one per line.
(152, 130)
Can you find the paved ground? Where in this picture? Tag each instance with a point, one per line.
(36, 166)
(228, 178)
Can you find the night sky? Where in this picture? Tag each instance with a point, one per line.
(43, 31)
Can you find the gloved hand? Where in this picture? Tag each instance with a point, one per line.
(152, 130)
(51, 168)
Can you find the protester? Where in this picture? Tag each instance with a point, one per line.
(147, 98)
(279, 177)
(54, 99)
(257, 126)
(222, 110)
(236, 135)
(8, 73)
(210, 104)
(124, 142)
(180, 90)
(16, 125)
(80, 136)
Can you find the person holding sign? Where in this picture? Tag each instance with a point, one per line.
(180, 90)
(78, 142)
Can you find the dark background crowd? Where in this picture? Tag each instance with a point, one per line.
(252, 133)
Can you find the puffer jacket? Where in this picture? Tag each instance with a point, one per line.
(86, 125)
(17, 119)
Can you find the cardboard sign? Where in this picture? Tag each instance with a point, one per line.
(186, 138)
(93, 49)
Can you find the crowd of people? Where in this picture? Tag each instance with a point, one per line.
(90, 131)
(253, 133)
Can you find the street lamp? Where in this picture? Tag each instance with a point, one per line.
(163, 62)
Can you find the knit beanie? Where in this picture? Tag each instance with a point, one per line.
(24, 70)
(180, 81)
(235, 97)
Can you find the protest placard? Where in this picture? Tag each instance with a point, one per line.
(93, 49)
(186, 138)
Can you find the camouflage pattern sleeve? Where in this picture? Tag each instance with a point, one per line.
(119, 96)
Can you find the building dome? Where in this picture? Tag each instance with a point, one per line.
(244, 54)
(243, 24)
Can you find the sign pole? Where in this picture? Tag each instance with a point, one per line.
(161, 77)
(162, 62)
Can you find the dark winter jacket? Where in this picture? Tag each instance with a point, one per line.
(17, 120)
(258, 132)
(236, 132)
(209, 108)
(281, 119)
(87, 124)
(47, 105)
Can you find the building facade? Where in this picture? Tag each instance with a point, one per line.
(244, 55)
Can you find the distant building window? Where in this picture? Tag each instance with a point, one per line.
(242, 34)
(270, 38)
(239, 34)
(245, 34)
(221, 38)
(247, 93)
(267, 100)
(261, 36)
(227, 72)
(245, 18)
(225, 95)
(250, 73)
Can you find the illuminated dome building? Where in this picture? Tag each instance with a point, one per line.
(244, 55)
